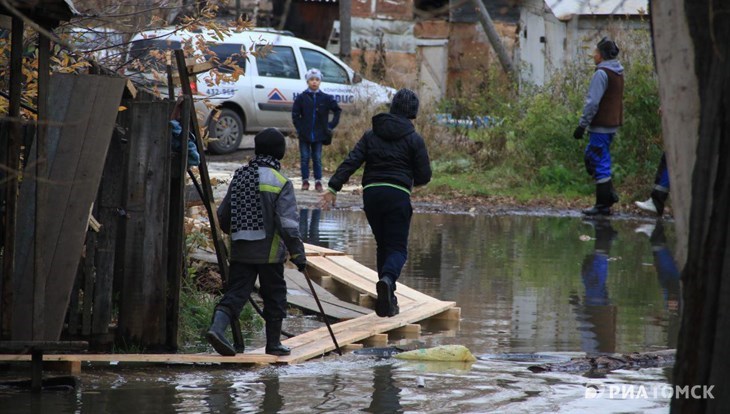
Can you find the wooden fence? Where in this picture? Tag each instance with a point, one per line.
(118, 283)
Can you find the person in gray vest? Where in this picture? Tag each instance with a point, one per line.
(602, 116)
(260, 213)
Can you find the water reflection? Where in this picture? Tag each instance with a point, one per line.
(386, 394)
(596, 315)
(524, 284)
(668, 275)
(309, 226)
(273, 401)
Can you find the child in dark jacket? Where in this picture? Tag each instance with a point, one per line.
(310, 115)
(396, 160)
(260, 213)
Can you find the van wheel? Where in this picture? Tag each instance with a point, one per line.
(227, 132)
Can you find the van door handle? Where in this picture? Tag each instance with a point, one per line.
(259, 86)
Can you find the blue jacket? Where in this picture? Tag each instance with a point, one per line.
(310, 114)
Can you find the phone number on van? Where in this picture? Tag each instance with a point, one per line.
(224, 91)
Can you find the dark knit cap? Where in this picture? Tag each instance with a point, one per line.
(270, 142)
(405, 103)
(607, 48)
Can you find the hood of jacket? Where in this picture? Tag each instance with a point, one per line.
(392, 127)
(613, 65)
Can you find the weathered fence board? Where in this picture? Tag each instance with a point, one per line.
(82, 109)
(176, 217)
(142, 307)
(108, 204)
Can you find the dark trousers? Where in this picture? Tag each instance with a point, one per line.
(661, 180)
(272, 288)
(389, 213)
(313, 151)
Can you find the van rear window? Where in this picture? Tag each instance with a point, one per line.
(229, 50)
(149, 51)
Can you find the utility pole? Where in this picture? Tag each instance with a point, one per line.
(493, 36)
(345, 30)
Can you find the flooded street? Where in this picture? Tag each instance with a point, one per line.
(556, 286)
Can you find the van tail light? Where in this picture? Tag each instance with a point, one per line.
(194, 87)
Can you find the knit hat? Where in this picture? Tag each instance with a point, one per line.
(405, 103)
(270, 142)
(607, 48)
(313, 73)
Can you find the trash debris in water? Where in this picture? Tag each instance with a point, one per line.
(379, 352)
(525, 357)
(439, 353)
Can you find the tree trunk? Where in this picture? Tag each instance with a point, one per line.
(692, 39)
(675, 60)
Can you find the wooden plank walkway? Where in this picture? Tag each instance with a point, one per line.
(299, 295)
(414, 307)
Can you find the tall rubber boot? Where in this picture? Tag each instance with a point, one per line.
(605, 197)
(216, 335)
(614, 194)
(605, 234)
(384, 302)
(659, 198)
(273, 339)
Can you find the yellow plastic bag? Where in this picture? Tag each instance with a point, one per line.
(439, 353)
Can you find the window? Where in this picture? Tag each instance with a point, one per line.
(234, 51)
(150, 52)
(278, 63)
(331, 71)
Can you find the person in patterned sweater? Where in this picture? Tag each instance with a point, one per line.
(259, 211)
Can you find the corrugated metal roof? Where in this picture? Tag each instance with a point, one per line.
(566, 9)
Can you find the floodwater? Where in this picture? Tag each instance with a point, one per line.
(555, 286)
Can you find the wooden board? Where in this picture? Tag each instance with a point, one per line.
(361, 278)
(348, 278)
(318, 342)
(82, 109)
(248, 358)
(372, 276)
(142, 312)
(312, 250)
(299, 295)
(107, 202)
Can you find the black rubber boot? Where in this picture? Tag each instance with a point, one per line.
(605, 197)
(659, 198)
(394, 308)
(273, 339)
(216, 335)
(657, 237)
(605, 234)
(384, 303)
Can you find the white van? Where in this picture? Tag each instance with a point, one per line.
(263, 97)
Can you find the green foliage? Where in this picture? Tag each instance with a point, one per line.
(196, 313)
(534, 138)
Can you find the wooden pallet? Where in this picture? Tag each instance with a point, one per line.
(340, 271)
(318, 342)
(414, 307)
(299, 295)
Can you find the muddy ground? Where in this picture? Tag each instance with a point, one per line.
(221, 167)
